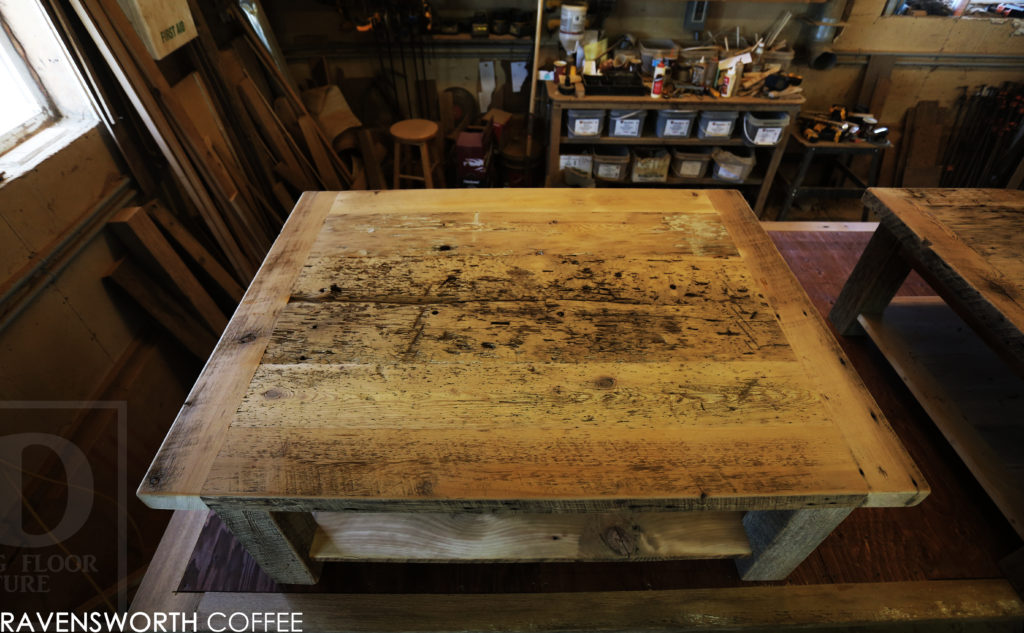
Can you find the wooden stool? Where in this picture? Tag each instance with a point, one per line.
(418, 132)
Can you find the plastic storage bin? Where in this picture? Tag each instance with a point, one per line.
(691, 164)
(762, 129)
(582, 158)
(651, 50)
(611, 163)
(732, 167)
(650, 164)
(675, 123)
(626, 123)
(714, 124)
(585, 123)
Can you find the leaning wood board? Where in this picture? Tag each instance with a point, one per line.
(537, 351)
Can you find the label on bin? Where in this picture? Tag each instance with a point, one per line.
(577, 161)
(627, 127)
(690, 168)
(718, 128)
(768, 136)
(730, 173)
(608, 171)
(587, 127)
(677, 127)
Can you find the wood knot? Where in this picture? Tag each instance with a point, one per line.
(619, 541)
(273, 394)
(247, 338)
(605, 382)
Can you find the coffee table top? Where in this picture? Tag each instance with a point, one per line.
(528, 350)
(971, 246)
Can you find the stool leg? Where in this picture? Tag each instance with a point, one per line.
(428, 178)
(398, 165)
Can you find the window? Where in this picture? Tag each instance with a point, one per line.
(25, 107)
(44, 104)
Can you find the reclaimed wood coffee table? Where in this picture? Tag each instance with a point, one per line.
(528, 375)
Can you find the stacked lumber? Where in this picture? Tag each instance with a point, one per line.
(237, 138)
(172, 277)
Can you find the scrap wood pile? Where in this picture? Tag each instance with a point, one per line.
(239, 141)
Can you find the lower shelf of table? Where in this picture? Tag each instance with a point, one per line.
(427, 537)
(969, 392)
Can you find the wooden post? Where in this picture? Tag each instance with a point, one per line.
(879, 273)
(781, 539)
(278, 541)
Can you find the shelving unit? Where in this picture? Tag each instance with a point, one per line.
(761, 180)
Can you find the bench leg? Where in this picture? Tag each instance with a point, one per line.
(781, 539)
(278, 541)
(879, 273)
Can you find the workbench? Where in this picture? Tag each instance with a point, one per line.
(841, 153)
(961, 353)
(551, 375)
(768, 157)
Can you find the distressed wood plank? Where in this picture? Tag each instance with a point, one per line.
(494, 230)
(278, 541)
(175, 478)
(145, 241)
(878, 275)
(756, 608)
(426, 279)
(563, 331)
(424, 537)
(892, 477)
(536, 468)
(648, 395)
(782, 539)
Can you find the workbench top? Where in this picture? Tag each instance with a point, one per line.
(528, 350)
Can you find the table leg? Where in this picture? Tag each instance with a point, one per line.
(278, 541)
(781, 539)
(879, 273)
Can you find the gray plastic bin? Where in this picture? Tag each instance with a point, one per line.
(733, 167)
(611, 163)
(715, 124)
(626, 123)
(675, 123)
(585, 123)
(691, 164)
(764, 129)
(650, 164)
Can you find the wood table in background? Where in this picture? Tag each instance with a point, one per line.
(528, 375)
(961, 353)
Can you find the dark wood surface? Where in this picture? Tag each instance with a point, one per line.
(957, 533)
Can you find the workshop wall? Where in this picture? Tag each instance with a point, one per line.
(306, 27)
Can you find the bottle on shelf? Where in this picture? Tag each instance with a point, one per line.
(659, 78)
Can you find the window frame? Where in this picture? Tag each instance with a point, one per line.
(48, 112)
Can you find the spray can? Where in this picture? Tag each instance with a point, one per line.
(659, 78)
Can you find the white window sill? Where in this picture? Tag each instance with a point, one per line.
(42, 145)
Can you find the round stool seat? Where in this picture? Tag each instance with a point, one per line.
(414, 130)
